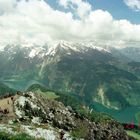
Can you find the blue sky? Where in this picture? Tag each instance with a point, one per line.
(117, 8)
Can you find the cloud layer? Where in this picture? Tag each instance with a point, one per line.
(133, 4)
(82, 9)
(34, 21)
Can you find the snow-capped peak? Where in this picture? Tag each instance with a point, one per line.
(37, 51)
(51, 48)
(80, 46)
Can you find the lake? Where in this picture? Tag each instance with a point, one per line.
(126, 115)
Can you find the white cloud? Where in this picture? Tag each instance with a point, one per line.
(63, 3)
(133, 4)
(81, 8)
(7, 5)
(36, 22)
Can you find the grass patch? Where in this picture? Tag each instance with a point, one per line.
(48, 94)
(133, 134)
(80, 132)
(21, 136)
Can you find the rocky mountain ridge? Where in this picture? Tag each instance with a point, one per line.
(40, 117)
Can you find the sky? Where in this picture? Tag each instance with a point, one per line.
(112, 22)
(118, 8)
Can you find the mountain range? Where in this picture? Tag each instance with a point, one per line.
(102, 75)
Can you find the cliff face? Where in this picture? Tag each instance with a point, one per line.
(41, 117)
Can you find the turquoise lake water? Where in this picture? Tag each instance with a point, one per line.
(126, 115)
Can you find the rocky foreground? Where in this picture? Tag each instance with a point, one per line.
(40, 117)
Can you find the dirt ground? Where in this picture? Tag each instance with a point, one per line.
(7, 103)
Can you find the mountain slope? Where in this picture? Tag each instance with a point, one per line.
(94, 75)
(45, 118)
(92, 72)
(131, 52)
(5, 89)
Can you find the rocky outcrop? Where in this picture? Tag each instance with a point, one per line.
(37, 109)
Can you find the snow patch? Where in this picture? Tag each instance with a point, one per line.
(36, 120)
(39, 133)
(21, 100)
(4, 128)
